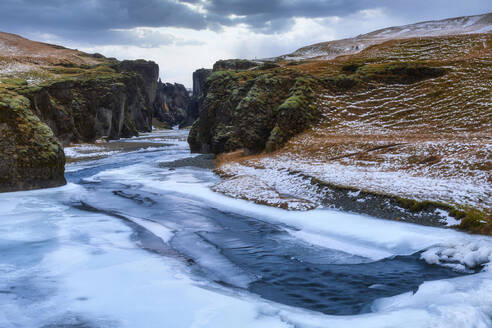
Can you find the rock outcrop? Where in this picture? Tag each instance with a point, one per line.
(235, 64)
(195, 107)
(174, 105)
(171, 104)
(200, 76)
(31, 157)
(51, 95)
(254, 109)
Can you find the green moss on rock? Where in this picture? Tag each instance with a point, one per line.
(295, 114)
(254, 110)
(69, 103)
(234, 64)
(30, 155)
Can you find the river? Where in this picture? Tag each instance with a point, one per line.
(131, 243)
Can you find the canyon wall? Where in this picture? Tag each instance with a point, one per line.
(65, 97)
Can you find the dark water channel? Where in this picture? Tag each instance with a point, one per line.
(248, 252)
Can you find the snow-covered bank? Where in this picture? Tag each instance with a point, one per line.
(287, 182)
(274, 172)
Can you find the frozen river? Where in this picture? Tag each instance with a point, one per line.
(129, 243)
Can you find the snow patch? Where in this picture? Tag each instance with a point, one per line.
(447, 219)
(460, 256)
(87, 151)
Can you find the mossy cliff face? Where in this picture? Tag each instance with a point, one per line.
(255, 109)
(71, 104)
(115, 103)
(31, 157)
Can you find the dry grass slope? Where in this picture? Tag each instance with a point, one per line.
(388, 129)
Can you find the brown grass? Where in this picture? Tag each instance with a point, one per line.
(439, 127)
(14, 48)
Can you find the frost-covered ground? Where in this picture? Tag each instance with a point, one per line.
(33, 61)
(425, 140)
(278, 181)
(110, 249)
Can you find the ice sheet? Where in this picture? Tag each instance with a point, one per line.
(60, 265)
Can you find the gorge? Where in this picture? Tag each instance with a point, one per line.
(346, 184)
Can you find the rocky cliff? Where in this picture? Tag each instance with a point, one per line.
(171, 104)
(195, 107)
(50, 95)
(115, 103)
(174, 105)
(253, 109)
(30, 155)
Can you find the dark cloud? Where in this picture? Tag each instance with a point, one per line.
(94, 21)
(287, 8)
(270, 16)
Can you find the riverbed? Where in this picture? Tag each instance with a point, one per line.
(138, 239)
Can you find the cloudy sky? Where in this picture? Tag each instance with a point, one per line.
(184, 35)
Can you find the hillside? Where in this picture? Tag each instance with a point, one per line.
(401, 129)
(451, 26)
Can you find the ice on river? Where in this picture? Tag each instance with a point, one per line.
(61, 266)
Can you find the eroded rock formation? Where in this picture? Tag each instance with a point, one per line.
(113, 105)
(254, 109)
(59, 96)
(171, 104)
(175, 106)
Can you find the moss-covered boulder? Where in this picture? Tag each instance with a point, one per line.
(31, 157)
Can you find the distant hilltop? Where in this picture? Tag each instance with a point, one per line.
(449, 26)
